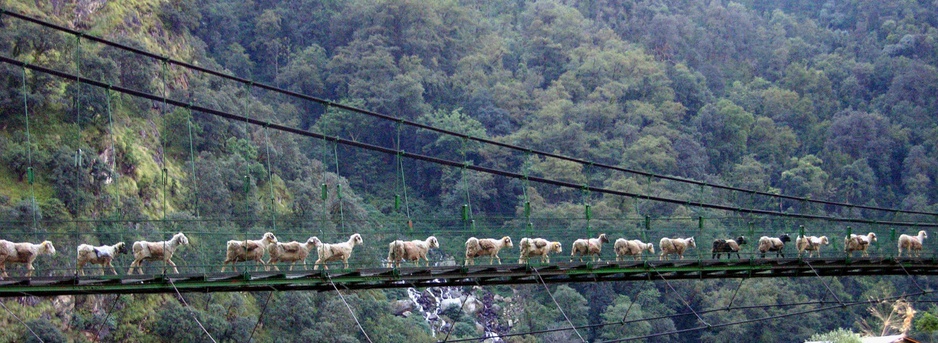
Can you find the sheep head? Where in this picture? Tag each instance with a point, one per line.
(651, 247)
(181, 238)
(432, 242)
(47, 248)
(356, 239)
(269, 238)
(120, 248)
(314, 241)
(555, 247)
(741, 240)
(603, 239)
(507, 242)
(691, 242)
(825, 241)
(923, 234)
(784, 238)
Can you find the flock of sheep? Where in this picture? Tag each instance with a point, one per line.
(416, 250)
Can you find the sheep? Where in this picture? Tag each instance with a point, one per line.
(855, 242)
(589, 247)
(912, 243)
(728, 246)
(248, 250)
(150, 251)
(476, 247)
(767, 244)
(675, 246)
(411, 251)
(99, 255)
(22, 253)
(633, 247)
(291, 252)
(811, 244)
(336, 252)
(537, 247)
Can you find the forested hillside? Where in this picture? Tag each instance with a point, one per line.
(822, 100)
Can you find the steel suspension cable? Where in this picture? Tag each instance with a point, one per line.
(338, 185)
(30, 175)
(106, 317)
(114, 173)
(260, 317)
(21, 321)
(444, 131)
(451, 163)
(197, 321)
(270, 182)
(546, 289)
(349, 307)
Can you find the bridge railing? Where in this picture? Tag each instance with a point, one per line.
(208, 238)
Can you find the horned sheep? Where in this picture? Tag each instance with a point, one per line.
(912, 244)
(855, 242)
(811, 244)
(102, 255)
(22, 253)
(291, 252)
(150, 251)
(675, 246)
(767, 244)
(531, 247)
(248, 250)
(589, 247)
(634, 247)
(414, 250)
(337, 251)
(476, 247)
(728, 246)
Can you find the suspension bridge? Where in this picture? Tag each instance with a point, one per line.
(443, 276)
(59, 277)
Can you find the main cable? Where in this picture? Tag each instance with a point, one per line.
(436, 160)
(444, 131)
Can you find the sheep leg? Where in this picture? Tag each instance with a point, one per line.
(112, 268)
(170, 262)
(30, 269)
(132, 264)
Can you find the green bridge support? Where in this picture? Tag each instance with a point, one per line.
(463, 276)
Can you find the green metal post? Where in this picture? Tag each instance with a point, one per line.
(700, 226)
(849, 232)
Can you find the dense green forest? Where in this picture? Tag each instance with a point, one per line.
(825, 100)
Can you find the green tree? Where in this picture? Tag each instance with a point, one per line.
(840, 335)
(725, 129)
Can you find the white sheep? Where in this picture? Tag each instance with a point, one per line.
(589, 247)
(22, 253)
(476, 247)
(811, 244)
(414, 250)
(537, 247)
(912, 243)
(102, 255)
(855, 242)
(337, 252)
(151, 251)
(634, 247)
(248, 250)
(767, 244)
(291, 252)
(672, 246)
